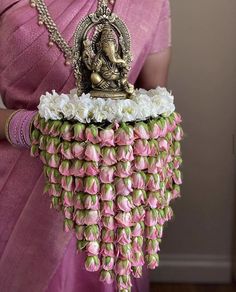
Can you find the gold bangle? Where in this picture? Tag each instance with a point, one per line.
(8, 120)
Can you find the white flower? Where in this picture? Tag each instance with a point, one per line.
(143, 105)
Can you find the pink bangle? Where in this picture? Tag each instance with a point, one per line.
(19, 128)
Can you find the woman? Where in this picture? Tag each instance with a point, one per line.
(35, 253)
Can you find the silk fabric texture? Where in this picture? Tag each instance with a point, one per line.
(35, 253)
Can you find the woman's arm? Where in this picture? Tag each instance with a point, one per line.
(4, 115)
(155, 70)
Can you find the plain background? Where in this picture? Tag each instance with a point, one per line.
(198, 243)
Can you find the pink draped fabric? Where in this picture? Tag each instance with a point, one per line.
(35, 253)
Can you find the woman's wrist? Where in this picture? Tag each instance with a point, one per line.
(18, 128)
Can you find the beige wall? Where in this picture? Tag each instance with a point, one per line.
(197, 244)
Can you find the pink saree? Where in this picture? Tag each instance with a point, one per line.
(35, 253)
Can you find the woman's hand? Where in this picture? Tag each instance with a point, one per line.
(4, 115)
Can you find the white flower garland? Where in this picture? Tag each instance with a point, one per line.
(85, 109)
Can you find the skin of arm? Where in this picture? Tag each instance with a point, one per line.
(154, 73)
(155, 70)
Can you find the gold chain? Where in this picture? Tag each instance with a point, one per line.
(55, 36)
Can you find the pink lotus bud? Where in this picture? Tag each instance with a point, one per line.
(125, 153)
(43, 142)
(140, 163)
(92, 152)
(107, 277)
(92, 248)
(54, 176)
(137, 272)
(92, 263)
(109, 156)
(137, 244)
(43, 155)
(68, 225)
(152, 246)
(107, 208)
(79, 217)
(68, 212)
(154, 148)
(141, 131)
(123, 186)
(108, 222)
(107, 174)
(79, 184)
(108, 249)
(92, 134)
(124, 169)
(124, 283)
(53, 190)
(153, 182)
(56, 203)
(54, 128)
(91, 168)
(108, 263)
(177, 162)
(124, 203)
(78, 130)
(151, 217)
(67, 183)
(159, 230)
(168, 213)
(123, 267)
(139, 197)
(107, 137)
(138, 214)
(53, 160)
(107, 192)
(36, 121)
(163, 125)
(124, 219)
(66, 150)
(153, 199)
(77, 168)
(151, 232)
(138, 259)
(91, 217)
(139, 180)
(154, 129)
(177, 118)
(64, 168)
(91, 185)
(52, 145)
(152, 261)
(108, 236)
(124, 235)
(171, 124)
(35, 136)
(177, 177)
(168, 198)
(169, 137)
(79, 231)
(124, 251)
(176, 192)
(141, 147)
(163, 145)
(78, 150)
(177, 148)
(81, 245)
(91, 233)
(124, 135)
(66, 131)
(34, 151)
(67, 198)
(91, 202)
(152, 165)
(138, 229)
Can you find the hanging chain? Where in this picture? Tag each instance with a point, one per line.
(55, 36)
